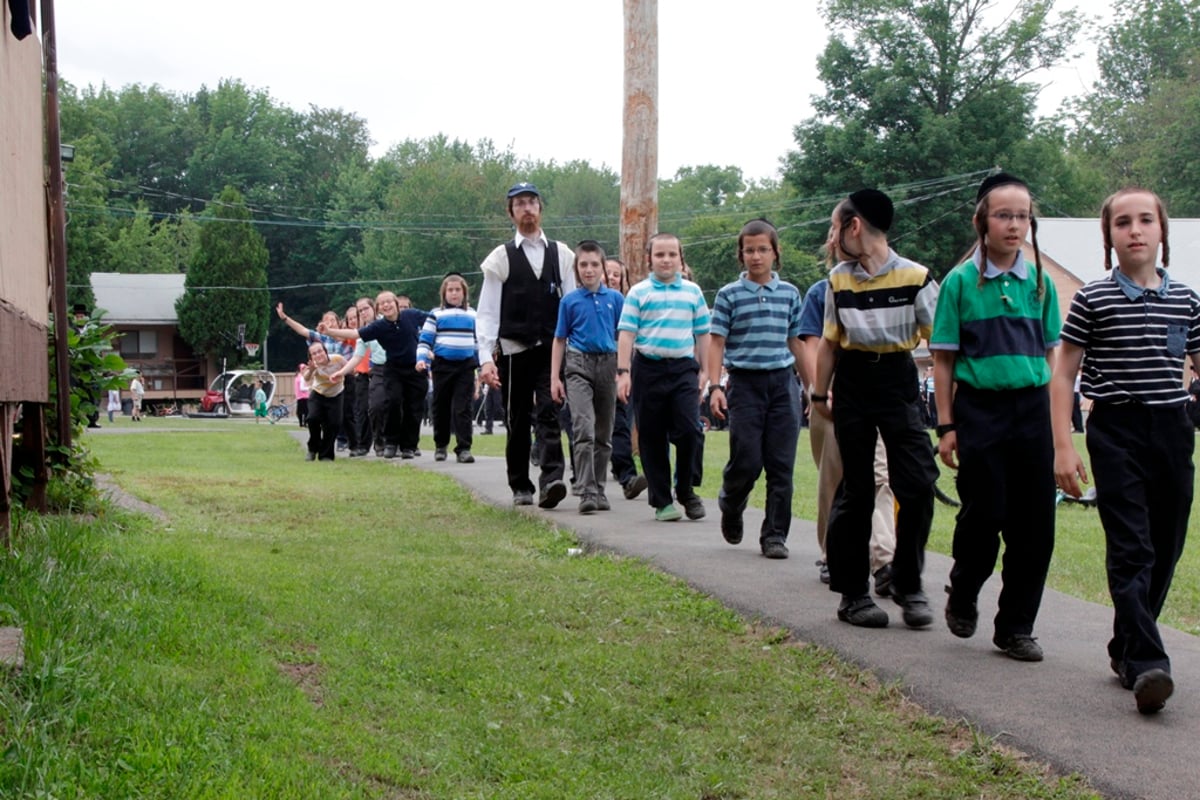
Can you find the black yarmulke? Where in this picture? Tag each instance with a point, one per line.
(875, 207)
(999, 179)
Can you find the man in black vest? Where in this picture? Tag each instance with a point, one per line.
(523, 281)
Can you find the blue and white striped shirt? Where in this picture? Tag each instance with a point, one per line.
(448, 334)
(666, 317)
(756, 321)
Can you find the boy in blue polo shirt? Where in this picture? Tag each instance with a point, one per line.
(585, 342)
(756, 332)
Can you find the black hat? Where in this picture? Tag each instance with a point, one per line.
(875, 207)
(999, 179)
(524, 187)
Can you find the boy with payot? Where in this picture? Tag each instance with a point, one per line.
(755, 335)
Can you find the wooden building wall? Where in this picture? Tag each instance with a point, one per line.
(24, 249)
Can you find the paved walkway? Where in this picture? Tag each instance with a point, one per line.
(1068, 711)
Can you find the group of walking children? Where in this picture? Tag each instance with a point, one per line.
(1005, 368)
(1004, 372)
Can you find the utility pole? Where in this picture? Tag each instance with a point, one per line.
(639, 151)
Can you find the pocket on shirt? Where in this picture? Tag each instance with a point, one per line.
(1176, 339)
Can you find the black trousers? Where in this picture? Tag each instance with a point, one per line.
(525, 381)
(405, 405)
(377, 406)
(665, 398)
(1142, 465)
(362, 401)
(349, 397)
(1006, 485)
(764, 428)
(623, 467)
(879, 393)
(324, 419)
(453, 390)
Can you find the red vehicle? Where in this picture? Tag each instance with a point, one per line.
(232, 393)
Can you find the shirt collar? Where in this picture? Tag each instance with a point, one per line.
(1133, 291)
(861, 274)
(518, 239)
(770, 285)
(1018, 270)
(677, 281)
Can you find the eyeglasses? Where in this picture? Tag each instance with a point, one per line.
(1007, 217)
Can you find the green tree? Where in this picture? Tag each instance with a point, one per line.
(226, 284)
(1139, 124)
(922, 98)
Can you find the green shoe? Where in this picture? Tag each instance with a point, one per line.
(668, 513)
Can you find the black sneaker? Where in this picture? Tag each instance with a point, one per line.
(465, 457)
(522, 498)
(602, 503)
(961, 621)
(916, 609)
(732, 527)
(693, 507)
(774, 548)
(1151, 690)
(406, 454)
(552, 495)
(883, 581)
(439, 454)
(310, 456)
(1118, 668)
(389, 451)
(588, 504)
(823, 571)
(1020, 646)
(862, 611)
(635, 486)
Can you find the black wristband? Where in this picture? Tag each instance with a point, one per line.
(712, 389)
(818, 398)
(622, 371)
(942, 430)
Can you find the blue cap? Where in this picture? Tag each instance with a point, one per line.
(523, 187)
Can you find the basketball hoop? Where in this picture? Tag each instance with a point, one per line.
(251, 349)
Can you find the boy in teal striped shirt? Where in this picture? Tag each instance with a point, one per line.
(663, 341)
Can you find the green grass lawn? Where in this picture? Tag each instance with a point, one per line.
(367, 631)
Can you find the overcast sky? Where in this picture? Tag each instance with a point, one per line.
(542, 77)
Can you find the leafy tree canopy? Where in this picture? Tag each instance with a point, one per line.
(923, 98)
(226, 284)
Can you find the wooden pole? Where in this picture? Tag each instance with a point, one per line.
(639, 152)
(58, 227)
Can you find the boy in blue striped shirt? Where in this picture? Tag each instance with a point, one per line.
(663, 339)
(756, 333)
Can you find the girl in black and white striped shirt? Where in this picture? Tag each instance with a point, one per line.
(1130, 332)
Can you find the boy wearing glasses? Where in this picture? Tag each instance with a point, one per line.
(755, 333)
(996, 325)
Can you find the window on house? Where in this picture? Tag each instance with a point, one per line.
(139, 344)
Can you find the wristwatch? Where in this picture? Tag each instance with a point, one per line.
(818, 398)
(622, 371)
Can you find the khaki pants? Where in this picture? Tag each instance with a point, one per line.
(828, 459)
